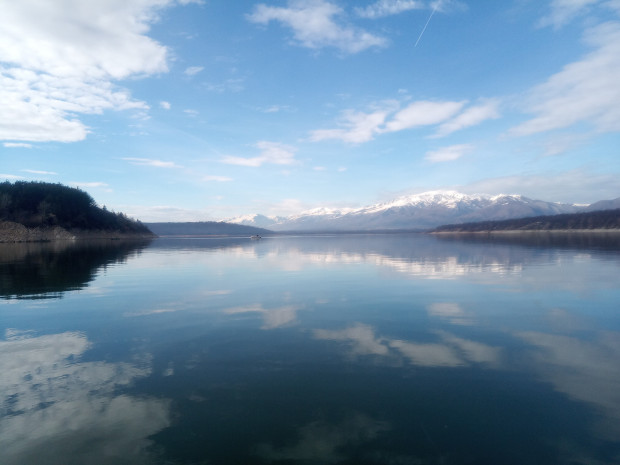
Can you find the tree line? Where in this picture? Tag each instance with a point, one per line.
(604, 219)
(40, 204)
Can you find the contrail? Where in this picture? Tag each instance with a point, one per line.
(427, 21)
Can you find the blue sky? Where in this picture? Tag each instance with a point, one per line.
(181, 110)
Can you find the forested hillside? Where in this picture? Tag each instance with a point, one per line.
(41, 204)
(605, 219)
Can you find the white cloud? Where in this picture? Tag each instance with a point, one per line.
(190, 112)
(314, 26)
(151, 162)
(357, 126)
(450, 153)
(192, 70)
(89, 184)
(165, 105)
(10, 176)
(59, 59)
(383, 8)
(9, 145)
(271, 153)
(471, 116)
(583, 91)
(217, 178)
(563, 11)
(423, 113)
(40, 172)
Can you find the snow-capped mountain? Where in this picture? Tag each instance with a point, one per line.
(419, 211)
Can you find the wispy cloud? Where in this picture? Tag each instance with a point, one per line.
(552, 186)
(584, 91)
(271, 153)
(22, 145)
(358, 127)
(151, 162)
(384, 8)
(314, 25)
(193, 70)
(89, 184)
(471, 116)
(10, 176)
(450, 153)
(564, 11)
(62, 62)
(423, 113)
(165, 105)
(40, 172)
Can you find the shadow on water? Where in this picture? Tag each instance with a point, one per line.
(47, 270)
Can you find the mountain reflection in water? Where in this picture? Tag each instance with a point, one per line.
(343, 349)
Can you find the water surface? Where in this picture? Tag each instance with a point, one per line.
(348, 349)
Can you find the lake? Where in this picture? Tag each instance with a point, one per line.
(343, 349)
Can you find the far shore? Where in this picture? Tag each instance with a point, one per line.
(530, 231)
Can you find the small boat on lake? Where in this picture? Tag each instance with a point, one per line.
(255, 237)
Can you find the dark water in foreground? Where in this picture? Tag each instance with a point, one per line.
(387, 349)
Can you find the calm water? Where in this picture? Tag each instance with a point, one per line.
(386, 349)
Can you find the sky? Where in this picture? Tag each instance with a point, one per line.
(197, 110)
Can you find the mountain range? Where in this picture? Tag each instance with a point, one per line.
(418, 212)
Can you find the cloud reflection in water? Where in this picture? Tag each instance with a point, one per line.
(57, 410)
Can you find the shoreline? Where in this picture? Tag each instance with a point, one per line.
(532, 231)
(11, 232)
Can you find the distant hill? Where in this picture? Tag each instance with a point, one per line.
(204, 228)
(41, 211)
(604, 219)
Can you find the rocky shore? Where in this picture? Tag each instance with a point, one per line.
(16, 232)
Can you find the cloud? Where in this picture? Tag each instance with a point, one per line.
(217, 178)
(9, 145)
(271, 153)
(358, 127)
(423, 113)
(314, 26)
(89, 184)
(59, 59)
(10, 176)
(585, 186)
(564, 11)
(40, 172)
(472, 116)
(193, 70)
(165, 105)
(450, 153)
(584, 91)
(384, 8)
(151, 162)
